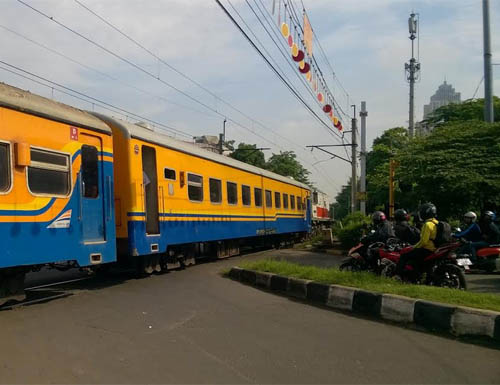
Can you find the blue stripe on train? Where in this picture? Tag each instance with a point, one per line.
(177, 232)
(32, 243)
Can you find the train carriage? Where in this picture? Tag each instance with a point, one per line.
(56, 187)
(171, 194)
(79, 189)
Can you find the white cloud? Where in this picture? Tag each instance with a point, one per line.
(366, 40)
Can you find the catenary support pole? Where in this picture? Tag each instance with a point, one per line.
(488, 77)
(362, 181)
(354, 180)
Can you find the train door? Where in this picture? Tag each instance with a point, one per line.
(91, 188)
(150, 183)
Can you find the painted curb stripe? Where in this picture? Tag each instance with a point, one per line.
(429, 315)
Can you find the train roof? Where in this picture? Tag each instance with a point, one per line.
(20, 100)
(138, 132)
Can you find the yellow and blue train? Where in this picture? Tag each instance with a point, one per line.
(86, 190)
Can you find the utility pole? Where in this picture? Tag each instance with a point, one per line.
(362, 183)
(392, 170)
(412, 71)
(489, 115)
(354, 181)
(222, 137)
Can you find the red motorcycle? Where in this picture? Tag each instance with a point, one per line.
(367, 257)
(488, 259)
(442, 268)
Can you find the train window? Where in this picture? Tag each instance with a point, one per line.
(169, 174)
(215, 190)
(315, 197)
(246, 195)
(49, 173)
(195, 188)
(258, 197)
(90, 172)
(4, 167)
(299, 203)
(292, 202)
(277, 200)
(269, 199)
(304, 204)
(285, 201)
(232, 193)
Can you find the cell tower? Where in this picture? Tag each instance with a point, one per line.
(412, 69)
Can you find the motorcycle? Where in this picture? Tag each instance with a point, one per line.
(442, 268)
(487, 259)
(366, 257)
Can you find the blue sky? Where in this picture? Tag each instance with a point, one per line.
(366, 42)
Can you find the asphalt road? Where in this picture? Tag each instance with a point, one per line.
(194, 326)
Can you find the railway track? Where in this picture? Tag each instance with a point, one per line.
(42, 293)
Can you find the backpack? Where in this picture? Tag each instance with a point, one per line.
(443, 234)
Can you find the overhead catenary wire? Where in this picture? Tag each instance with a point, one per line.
(228, 14)
(141, 69)
(204, 88)
(269, 17)
(287, 57)
(93, 100)
(168, 65)
(72, 60)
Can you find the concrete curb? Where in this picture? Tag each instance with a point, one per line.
(432, 316)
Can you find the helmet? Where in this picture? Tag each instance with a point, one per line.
(427, 211)
(471, 215)
(489, 216)
(401, 215)
(378, 217)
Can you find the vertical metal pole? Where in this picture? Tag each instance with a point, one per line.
(354, 180)
(411, 127)
(392, 167)
(222, 138)
(488, 78)
(362, 182)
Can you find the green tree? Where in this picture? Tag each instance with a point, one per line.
(384, 148)
(285, 163)
(249, 153)
(457, 167)
(342, 205)
(471, 109)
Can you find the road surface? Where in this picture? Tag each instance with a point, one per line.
(194, 326)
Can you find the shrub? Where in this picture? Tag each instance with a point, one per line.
(352, 228)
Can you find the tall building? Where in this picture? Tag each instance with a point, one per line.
(444, 95)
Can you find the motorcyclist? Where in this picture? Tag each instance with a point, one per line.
(490, 231)
(489, 235)
(425, 245)
(403, 230)
(473, 232)
(382, 229)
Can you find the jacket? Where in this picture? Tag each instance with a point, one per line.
(427, 235)
(471, 234)
(406, 233)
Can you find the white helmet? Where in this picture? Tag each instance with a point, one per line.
(472, 215)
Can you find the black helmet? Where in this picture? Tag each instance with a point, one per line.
(401, 215)
(489, 216)
(427, 211)
(378, 217)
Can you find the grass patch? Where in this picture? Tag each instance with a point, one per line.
(368, 281)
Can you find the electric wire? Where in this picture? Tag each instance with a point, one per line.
(121, 32)
(287, 57)
(60, 54)
(95, 100)
(156, 77)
